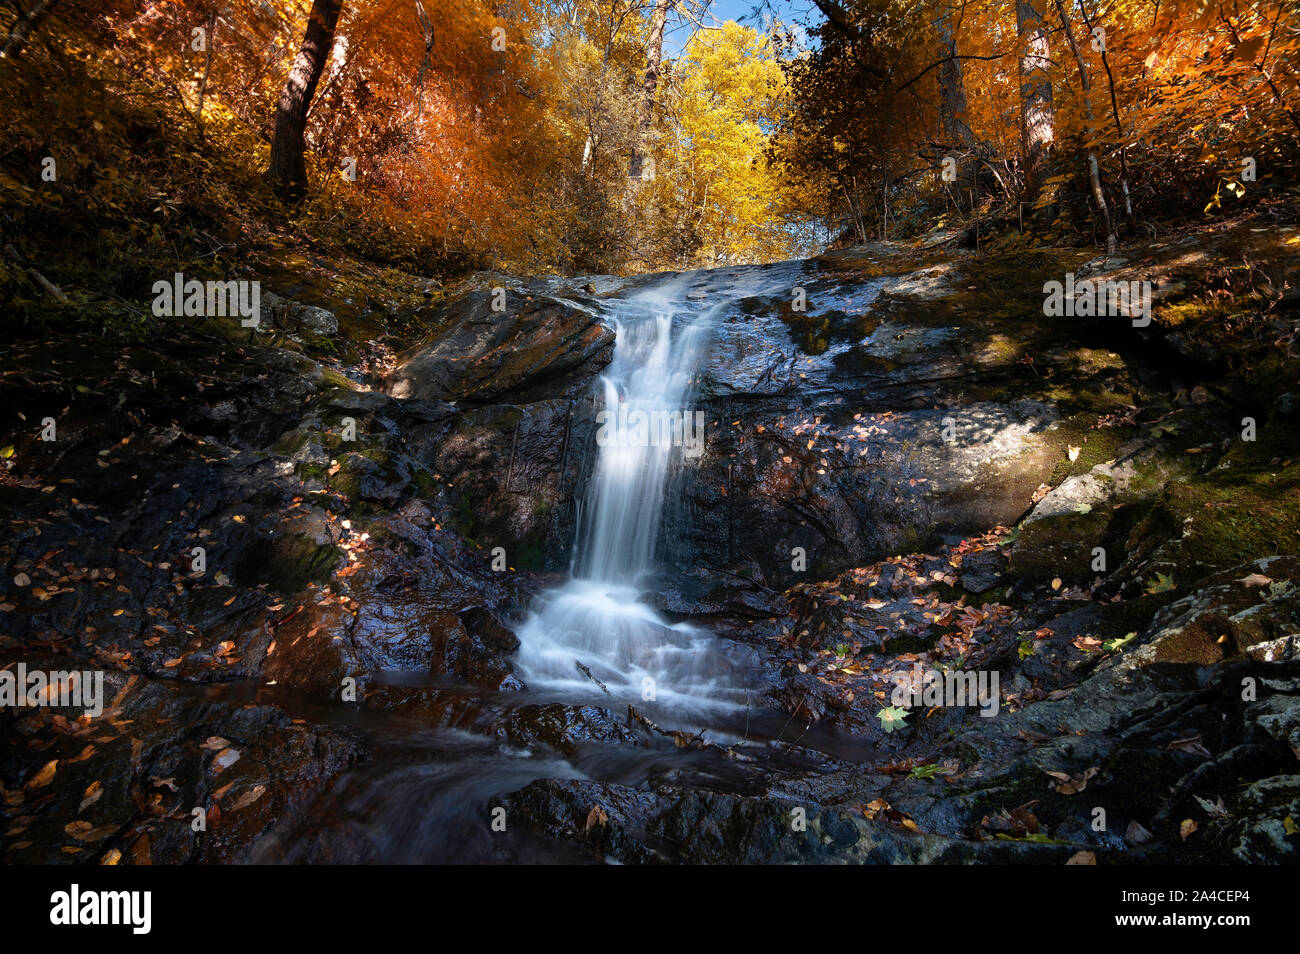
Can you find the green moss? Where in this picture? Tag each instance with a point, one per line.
(293, 442)
(529, 557)
(309, 471)
(287, 563)
(1193, 644)
(336, 379)
(1024, 785)
(1195, 310)
(346, 482)
(1242, 510)
(1117, 620)
(425, 485)
(1146, 774)
(1238, 517)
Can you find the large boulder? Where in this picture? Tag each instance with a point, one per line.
(851, 417)
(533, 347)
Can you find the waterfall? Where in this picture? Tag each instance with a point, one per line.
(594, 629)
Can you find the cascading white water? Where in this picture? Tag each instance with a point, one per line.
(595, 624)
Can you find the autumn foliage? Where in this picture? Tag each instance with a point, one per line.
(1188, 107)
(446, 135)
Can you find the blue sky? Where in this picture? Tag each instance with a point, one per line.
(743, 11)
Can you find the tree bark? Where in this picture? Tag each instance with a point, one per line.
(426, 27)
(650, 85)
(1094, 168)
(1119, 127)
(952, 87)
(288, 171)
(209, 43)
(1037, 116)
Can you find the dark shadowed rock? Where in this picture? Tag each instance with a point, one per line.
(534, 347)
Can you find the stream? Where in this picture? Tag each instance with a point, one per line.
(427, 794)
(738, 506)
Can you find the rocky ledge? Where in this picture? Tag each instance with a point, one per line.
(296, 557)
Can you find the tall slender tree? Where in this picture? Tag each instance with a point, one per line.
(952, 87)
(1094, 168)
(650, 85)
(287, 171)
(1037, 114)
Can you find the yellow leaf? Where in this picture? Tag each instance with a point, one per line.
(44, 776)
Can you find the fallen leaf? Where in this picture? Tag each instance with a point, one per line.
(94, 792)
(1072, 784)
(1137, 834)
(250, 796)
(1213, 808)
(892, 718)
(44, 776)
(224, 759)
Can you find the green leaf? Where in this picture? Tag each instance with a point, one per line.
(7, 451)
(1115, 645)
(892, 718)
(931, 770)
(1162, 584)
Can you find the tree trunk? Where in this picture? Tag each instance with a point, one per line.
(654, 57)
(1094, 168)
(426, 27)
(1119, 127)
(210, 42)
(1037, 118)
(288, 171)
(952, 88)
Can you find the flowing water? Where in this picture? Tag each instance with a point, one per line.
(591, 645)
(593, 635)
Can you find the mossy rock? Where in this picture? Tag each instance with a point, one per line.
(288, 562)
(1225, 517)
(1059, 546)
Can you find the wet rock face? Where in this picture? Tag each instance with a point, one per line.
(515, 457)
(881, 418)
(880, 431)
(668, 826)
(516, 472)
(510, 348)
(221, 535)
(1186, 765)
(162, 778)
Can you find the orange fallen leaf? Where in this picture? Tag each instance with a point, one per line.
(44, 776)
